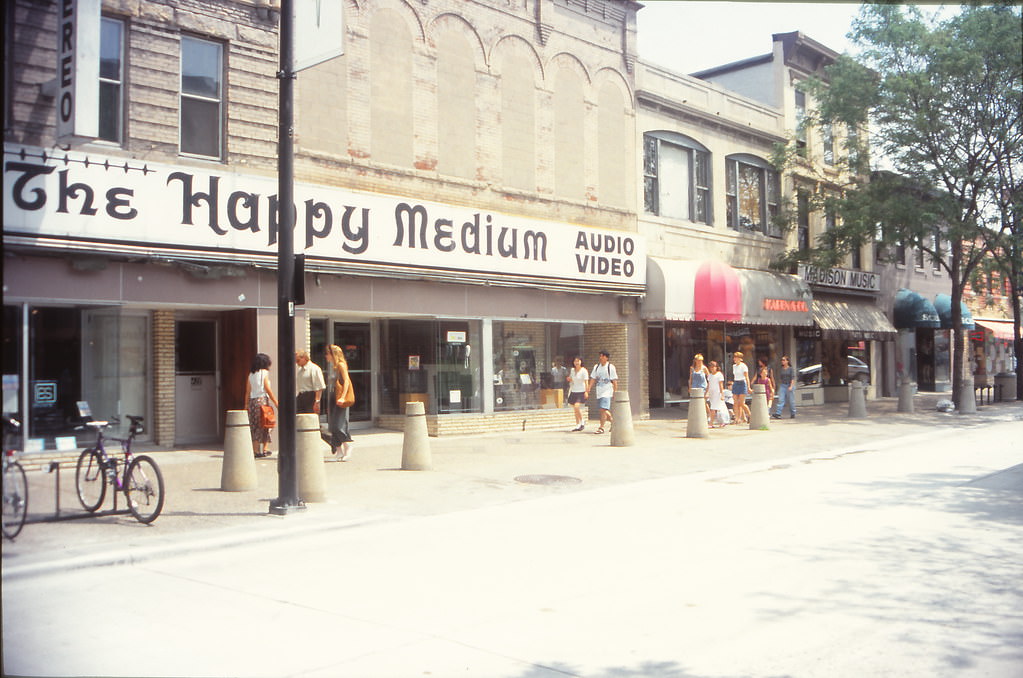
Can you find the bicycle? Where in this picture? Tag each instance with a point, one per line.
(15, 485)
(142, 482)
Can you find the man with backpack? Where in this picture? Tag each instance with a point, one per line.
(605, 376)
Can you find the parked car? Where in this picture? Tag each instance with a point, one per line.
(811, 375)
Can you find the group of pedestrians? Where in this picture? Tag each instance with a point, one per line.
(310, 386)
(603, 379)
(710, 378)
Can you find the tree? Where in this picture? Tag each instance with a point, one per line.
(944, 103)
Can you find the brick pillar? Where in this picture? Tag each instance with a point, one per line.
(610, 337)
(163, 381)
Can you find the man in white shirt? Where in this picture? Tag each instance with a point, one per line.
(309, 384)
(605, 376)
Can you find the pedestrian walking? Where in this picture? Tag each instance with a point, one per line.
(786, 388)
(309, 384)
(698, 374)
(740, 387)
(716, 397)
(605, 376)
(258, 393)
(343, 391)
(577, 380)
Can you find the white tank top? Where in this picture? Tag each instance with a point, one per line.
(256, 384)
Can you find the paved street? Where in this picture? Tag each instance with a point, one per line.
(823, 547)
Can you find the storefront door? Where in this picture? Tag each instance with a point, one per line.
(925, 359)
(354, 340)
(196, 391)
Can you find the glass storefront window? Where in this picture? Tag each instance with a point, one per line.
(55, 371)
(530, 358)
(841, 360)
(435, 362)
(99, 355)
(808, 363)
(717, 342)
(12, 361)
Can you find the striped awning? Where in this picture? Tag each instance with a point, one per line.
(1002, 329)
(851, 320)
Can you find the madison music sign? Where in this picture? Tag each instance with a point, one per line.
(841, 278)
(87, 199)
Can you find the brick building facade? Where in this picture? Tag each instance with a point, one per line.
(464, 197)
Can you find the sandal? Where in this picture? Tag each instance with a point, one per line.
(599, 431)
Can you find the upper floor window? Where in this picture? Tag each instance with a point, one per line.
(201, 96)
(829, 144)
(936, 257)
(111, 80)
(801, 121)
(752, 195)
(802, 221)
(852, 142)
(676, 177)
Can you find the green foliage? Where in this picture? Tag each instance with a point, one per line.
(945, 104)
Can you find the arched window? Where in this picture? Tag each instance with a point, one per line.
(752, 194)
(676, 177)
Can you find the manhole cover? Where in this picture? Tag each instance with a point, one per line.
(548, 480)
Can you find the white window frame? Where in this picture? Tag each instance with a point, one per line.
(656, 145)
(194, 96)
(116, 82)
(769, 188)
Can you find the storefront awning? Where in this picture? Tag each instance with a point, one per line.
(943, 304)
(912, 310)
(775, 299)
(851, 320)
(1002, 329)
(712, 291)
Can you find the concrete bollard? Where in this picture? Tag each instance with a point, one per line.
(906, 397)
(857, 400)
(696, 425)
(759, 417)
(415, 449)
(968, 397)
(1005, 386)
(312, 478)
(239, 471)
(622, 434)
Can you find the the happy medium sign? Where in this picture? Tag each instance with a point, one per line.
(128, 202)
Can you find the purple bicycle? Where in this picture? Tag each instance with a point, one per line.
(141, 480)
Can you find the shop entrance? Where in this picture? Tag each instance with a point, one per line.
(196, 382)
(925, 359)
(354, 340)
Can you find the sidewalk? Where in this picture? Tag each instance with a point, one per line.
(469, 472)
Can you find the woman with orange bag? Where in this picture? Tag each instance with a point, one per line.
(344, 397)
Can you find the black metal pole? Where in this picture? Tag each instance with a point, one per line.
(287, 478)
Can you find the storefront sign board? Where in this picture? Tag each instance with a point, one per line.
(840, 278)
(91, 201)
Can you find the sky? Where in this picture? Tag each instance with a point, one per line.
(692, 36)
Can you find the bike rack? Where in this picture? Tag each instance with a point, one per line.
(54, 468)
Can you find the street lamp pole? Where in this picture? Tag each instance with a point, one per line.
(287, 478)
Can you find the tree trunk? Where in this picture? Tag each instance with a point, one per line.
(958, 368)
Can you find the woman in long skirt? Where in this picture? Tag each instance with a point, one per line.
(258, 393)
(340, 439)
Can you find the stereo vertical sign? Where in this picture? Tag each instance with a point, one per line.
(78, 36)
